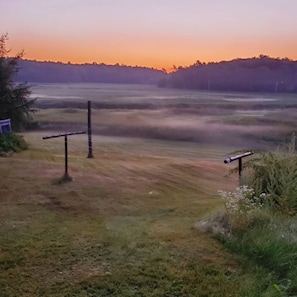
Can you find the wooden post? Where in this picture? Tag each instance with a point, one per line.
(66, 176)
(90, 154)
(239, 167)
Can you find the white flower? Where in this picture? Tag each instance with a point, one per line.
(242, 200)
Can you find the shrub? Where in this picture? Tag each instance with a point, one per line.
(242, 201)
(243, 208)
(266, 239)
(261, 219)
(12, 143)
(273, 176)
(276, 175)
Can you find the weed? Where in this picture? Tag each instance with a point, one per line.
(275, 174)
(12, 143)
(263, 223)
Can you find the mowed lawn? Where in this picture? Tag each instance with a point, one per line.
(123, 227)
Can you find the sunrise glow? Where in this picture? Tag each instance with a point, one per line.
(154, 33)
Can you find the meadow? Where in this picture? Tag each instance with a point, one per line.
(125, 225)
(240, 119)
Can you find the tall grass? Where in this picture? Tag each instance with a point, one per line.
(275, 174)
(270, 250)
(261, 222)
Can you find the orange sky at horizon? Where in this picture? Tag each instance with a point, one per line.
(159, 59)
(159, 34)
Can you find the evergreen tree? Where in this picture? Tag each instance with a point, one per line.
(15, 103)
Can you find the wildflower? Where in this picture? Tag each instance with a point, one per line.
(242, 200)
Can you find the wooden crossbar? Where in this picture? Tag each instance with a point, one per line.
(64, 134)
(239, 158)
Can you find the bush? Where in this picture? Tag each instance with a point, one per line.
(261, 219)
(12, 143)
(275, 174)
(243, 208)
(266, 239)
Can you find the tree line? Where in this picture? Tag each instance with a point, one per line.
(57, 72)
(258, 74)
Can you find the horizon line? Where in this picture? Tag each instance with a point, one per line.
(173, 67)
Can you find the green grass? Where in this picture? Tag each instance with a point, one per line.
(122, 227)
(260, 222)
(269, 249)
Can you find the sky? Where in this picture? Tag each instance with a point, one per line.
(150, 33)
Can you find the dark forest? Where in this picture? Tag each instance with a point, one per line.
(261, 74)
(258, 74)
(57, 72)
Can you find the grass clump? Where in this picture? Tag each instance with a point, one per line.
(265, 239)
(12, 143)
(269, 249)
(276, 176)
(260, 222)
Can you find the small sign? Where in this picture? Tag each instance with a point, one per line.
(5, 126)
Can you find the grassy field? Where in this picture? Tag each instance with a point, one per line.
(125, 225)
(122, 227)
(244, 120)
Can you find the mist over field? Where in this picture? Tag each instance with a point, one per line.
(222, 118)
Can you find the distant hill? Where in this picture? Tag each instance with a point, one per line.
(258, 74)
(51, 72)
(261, 74)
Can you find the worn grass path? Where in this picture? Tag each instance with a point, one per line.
(122, 227)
